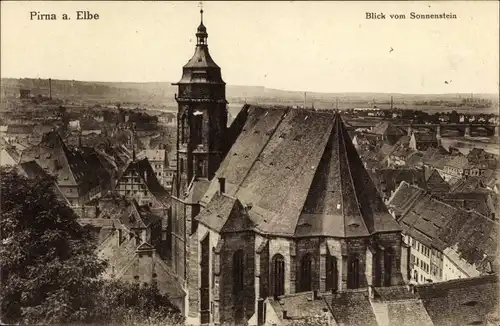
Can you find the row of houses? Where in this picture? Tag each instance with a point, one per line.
(447, 241)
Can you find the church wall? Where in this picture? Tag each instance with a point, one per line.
(334, 247)
(355, 246)
(282, 246)
(231, 304)
(394, 241)
(308, 246)
(179, 211)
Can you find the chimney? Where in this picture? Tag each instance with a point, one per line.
(222, 185)
(50, 89)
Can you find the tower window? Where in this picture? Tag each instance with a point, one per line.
(331, 273)
(306, 273)
(278, 274)
(238, 271)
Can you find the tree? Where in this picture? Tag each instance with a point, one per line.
(47, 260)
(49, 272)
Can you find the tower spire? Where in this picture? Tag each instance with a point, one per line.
(201, 10)
(201, 34)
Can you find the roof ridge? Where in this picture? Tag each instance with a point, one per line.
(341, 134)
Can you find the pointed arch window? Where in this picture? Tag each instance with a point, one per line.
(388, 260)
(278, 275)
(197, 128)
(238, 271)
(353, 273)
(331, 273)
(306, 265)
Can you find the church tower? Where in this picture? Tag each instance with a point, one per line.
(202, 116)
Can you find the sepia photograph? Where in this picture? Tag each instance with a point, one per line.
(277, 163)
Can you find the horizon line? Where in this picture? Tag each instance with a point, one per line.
(271, 88)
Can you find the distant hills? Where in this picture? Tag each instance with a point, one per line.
(161, 94)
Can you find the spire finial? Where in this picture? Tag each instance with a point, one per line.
(201, 10)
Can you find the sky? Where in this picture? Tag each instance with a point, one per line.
(301, 46)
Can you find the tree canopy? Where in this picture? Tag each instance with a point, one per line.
(49, 269)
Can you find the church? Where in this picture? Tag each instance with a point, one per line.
(278, 203)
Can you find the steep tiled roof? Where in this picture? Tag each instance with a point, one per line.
(196, 191)
(460, 302)
(124, 262)
(440, 226)
(435, 157)
(31, 169)
(459, 162)
(408, 312)
(386, 180)
(467, 184)
(404, 197)
(302, 175)
(352, 308)
(69, 166)
(483, 201)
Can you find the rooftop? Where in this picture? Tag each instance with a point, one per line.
(301, 174)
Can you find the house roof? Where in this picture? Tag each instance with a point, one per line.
(436, 157)
(421, 137)
(389, 179)
(302, 176)
(468, 184)
(468, 301)
(125, 259)
(459, 162)
(387, 129)
(404, 197)
(31, 169)
(68, 165)
(460, 302)
(352, 308)
(483, 201)
(439, 225)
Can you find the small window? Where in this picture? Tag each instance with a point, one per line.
(238, 271)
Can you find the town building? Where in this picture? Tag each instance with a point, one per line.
(472, 301)
(447, 242)
(138, 181)
(127, 235)
(76, 179)
(420, 141)
(387, 132)
(158, 160)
